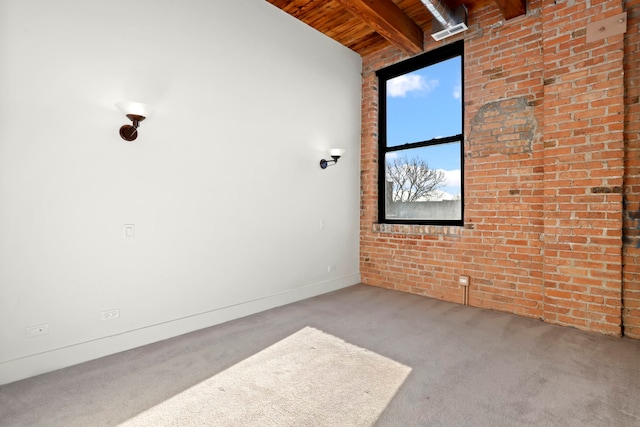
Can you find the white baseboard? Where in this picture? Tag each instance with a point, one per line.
(29, 366)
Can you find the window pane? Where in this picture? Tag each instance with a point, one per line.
(424, 183)
(425, 104)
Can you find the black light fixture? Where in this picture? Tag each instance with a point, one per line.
(136, 112)
(335, 154)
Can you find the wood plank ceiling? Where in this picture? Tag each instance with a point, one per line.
(366, 26)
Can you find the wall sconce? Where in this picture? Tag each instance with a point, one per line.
(335, 154)
(136, 112)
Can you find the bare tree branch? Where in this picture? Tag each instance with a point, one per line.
(412, 179)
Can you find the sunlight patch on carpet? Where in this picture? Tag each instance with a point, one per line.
(308, 379)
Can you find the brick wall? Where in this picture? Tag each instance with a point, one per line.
(631, 249)
(583, 152)
(544, 167)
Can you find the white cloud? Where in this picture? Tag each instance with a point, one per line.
(452, 178)
(457, 92)
(401, 85)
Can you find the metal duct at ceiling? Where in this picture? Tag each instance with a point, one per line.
(446, 22)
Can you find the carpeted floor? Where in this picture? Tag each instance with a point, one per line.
(308, 379)
(468, 367)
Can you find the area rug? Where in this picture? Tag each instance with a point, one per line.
(308, 379)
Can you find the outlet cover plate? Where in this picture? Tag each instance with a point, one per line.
(110, 314)
(607, 27)
(34, 331)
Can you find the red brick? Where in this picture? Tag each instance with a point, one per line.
(552, 250)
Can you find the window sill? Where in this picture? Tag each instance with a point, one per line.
(421, 230)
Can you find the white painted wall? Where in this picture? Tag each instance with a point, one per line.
(223, 183)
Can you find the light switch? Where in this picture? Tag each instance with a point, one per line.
(129, 231)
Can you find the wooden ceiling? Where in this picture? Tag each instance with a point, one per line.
(366, 26)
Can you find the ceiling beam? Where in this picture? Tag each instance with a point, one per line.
(389, 21)
(512, 8)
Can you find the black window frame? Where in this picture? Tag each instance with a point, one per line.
(418, 62)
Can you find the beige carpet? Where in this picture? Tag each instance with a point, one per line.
(308, 379)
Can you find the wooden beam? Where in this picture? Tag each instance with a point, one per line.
(390, 22)
(512, 8)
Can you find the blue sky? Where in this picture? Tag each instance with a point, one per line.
(426, 104)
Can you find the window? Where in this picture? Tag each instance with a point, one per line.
(420, 137)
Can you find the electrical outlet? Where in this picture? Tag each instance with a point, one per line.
(464, 280)
(331, 268)
(34, 331)
(110, 314)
